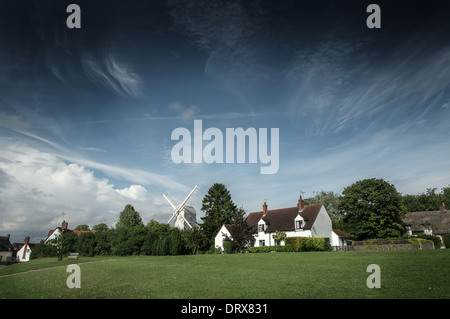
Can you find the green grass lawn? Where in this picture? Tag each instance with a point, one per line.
(404, 274)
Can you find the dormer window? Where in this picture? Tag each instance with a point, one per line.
(298, 224)
(261, 227)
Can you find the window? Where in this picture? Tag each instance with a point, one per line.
(262, 243)
(261, 227)
(298, 224)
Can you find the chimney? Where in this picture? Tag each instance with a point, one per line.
(264, 209)
(25, 245)
(64, 226)
(300, 203)
(443, 209)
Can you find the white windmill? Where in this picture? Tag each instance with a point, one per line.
(186, 217)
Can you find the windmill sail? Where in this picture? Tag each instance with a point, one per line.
(185, 216)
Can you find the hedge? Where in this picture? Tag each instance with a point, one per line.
(308, 243)
(269, 249)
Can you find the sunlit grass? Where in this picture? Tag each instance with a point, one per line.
(404, 274)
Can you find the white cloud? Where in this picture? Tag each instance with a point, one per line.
(186, 113)
(38, 190)
(136, 192)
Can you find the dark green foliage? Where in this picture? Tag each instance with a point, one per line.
(308, 243)
(192, 239)
(241, 232)
(435, 239)
(227, 247)
(373, 209)
(129, 218)
(82, 227)
(219, 209)
(103, 244)
(269, 249)
(100, 227)
(68, 242)
(428, 201)
(447, 240)
(331, 202)
(85, 244)
(175, 242)
(43, 250)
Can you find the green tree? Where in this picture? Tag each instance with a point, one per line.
(430, 200)
(100, 227)
(68, 242)
(373, 209)
(331, 202)
(192, 239)
(129, 218)
(219, 209)
(82, 227)
(103, 242)
(279, 236)
(175, 241)
(85, 244)
(241, 231)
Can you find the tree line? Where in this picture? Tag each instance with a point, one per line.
(131, 237)
(370, 208)
(373, 208)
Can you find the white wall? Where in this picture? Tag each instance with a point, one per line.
(321, 228)
(322, 225)
(19, 254)
(221, 235)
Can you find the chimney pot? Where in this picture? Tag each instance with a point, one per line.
(25, 246)
(64, 225)
(300, 203)
(443, 209)
(264, 209)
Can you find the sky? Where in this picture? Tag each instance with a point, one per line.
(87, 114)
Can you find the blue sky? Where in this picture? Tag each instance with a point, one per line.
(86, 115)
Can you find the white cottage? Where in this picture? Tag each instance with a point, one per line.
(24, 250)
(298, 221)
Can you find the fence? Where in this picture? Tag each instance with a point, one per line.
(383, 246)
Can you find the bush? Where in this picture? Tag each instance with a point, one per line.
(447, 240)
(435, 239)
(308, 243)
(227, 247)
(43, 250)
(269, 249)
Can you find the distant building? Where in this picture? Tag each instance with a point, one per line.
(6, 250)
(23, 250)
(54, 233)
(436, 222)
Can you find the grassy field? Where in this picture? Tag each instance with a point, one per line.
(404, 274)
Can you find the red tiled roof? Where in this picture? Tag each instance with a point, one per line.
(283, 219)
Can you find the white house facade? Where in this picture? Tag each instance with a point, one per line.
(298, 221)
(23, 254)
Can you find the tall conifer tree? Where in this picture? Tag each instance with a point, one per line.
(219, 209)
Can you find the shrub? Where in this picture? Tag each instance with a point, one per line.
(227, 247)
(447, 240)
(269, 249)
(308, 243)
(43, 250)
(435, 239)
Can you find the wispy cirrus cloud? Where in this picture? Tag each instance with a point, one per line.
(113, 74)
(337, 89)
